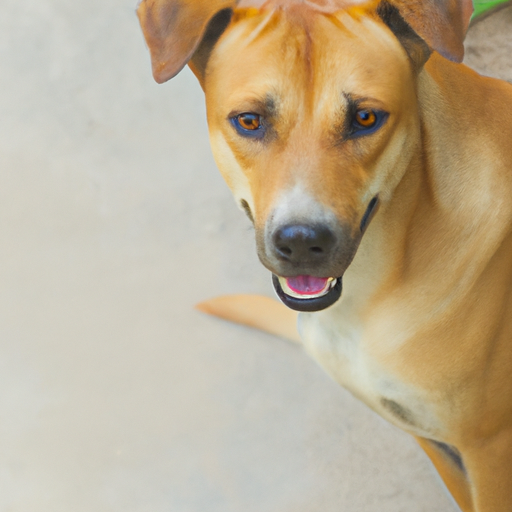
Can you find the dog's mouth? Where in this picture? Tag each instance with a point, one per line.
(307, 293)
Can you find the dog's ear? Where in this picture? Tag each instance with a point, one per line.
(177, 31)
(417, 49)
(442, 24)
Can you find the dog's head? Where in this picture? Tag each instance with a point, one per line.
(313, 114)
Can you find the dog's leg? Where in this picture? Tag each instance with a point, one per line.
(450, 467)
(479, 477)
(489, 468)
(255, 311)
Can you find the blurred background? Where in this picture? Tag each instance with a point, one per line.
(115, 395)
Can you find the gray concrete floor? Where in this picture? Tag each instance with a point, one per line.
(115, 395)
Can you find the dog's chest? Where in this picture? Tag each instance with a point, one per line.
(338, 345)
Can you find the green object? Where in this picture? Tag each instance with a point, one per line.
(482, 6)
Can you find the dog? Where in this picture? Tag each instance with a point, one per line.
(377, 171)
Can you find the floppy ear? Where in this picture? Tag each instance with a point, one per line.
(442, 24)
(417, 49)
(174, 30)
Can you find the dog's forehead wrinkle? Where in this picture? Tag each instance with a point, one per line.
(326, 6)
(253, 33)
(297, 14)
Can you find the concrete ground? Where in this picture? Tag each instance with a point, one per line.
(115, 395)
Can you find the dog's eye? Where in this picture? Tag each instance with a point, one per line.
(249, 121)
(366, 118)
(249, 124)
(367, 121)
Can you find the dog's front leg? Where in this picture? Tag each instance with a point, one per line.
(454, 477)
(489, 468)
(479, 477)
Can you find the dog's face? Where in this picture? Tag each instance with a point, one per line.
(312, 113)
(313, 119)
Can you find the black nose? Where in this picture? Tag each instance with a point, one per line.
(303, 244)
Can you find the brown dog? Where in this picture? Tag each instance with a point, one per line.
(364, 155)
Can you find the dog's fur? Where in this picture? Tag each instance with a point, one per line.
(423, 330)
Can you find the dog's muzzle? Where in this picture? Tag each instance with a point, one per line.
(301, 255)
(308, 261)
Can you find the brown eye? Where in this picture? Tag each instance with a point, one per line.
(366, 118)
(249, 121)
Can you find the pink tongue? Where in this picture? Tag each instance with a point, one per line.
(306, 285)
